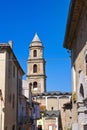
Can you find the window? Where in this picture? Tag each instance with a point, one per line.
(19, 86)
(35, 68)
(39, 127)
(13, 71)
(86, 63)
(86, 58)
(10, 97)
(13, 127)
(35, 53)
(82, 91)
(52, 108)
(35, 85)
(13, 103)
(85, 127)
(9, 67)
(19, 128)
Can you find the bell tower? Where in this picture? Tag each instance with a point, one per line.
(36, 66)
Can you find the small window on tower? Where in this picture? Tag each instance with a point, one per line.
(35, 85)
(35, 68)
(35, 53)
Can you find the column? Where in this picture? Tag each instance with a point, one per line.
(57, 123)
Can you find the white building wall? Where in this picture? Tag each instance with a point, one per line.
(2, 87)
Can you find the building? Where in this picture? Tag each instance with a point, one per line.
(54, 114)
(23, 117)
(15, 95)
(35, 114)
(33, 109)
(76, 42)
(10, 87)
(36, 66)
(52, 111)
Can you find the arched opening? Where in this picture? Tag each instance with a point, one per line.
(81, 91)
(35, 53)
(35, 85)
(86, 62)
(35, 68)
(86, 59)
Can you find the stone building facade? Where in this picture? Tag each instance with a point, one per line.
(17, 111)
(53, 112)
(32, 107)
(76, 42)
(36, 66)
(10, 82)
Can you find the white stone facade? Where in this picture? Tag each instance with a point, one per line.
(10, 83)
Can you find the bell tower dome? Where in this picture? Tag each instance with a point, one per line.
(36, 66)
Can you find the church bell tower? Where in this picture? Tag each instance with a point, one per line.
(36, 66)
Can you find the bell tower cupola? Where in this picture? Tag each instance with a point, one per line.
(36, 66)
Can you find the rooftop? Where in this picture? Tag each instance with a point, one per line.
(75, 11)
(53, 93)
(5, 46)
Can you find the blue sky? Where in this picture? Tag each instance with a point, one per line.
(21, 19)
